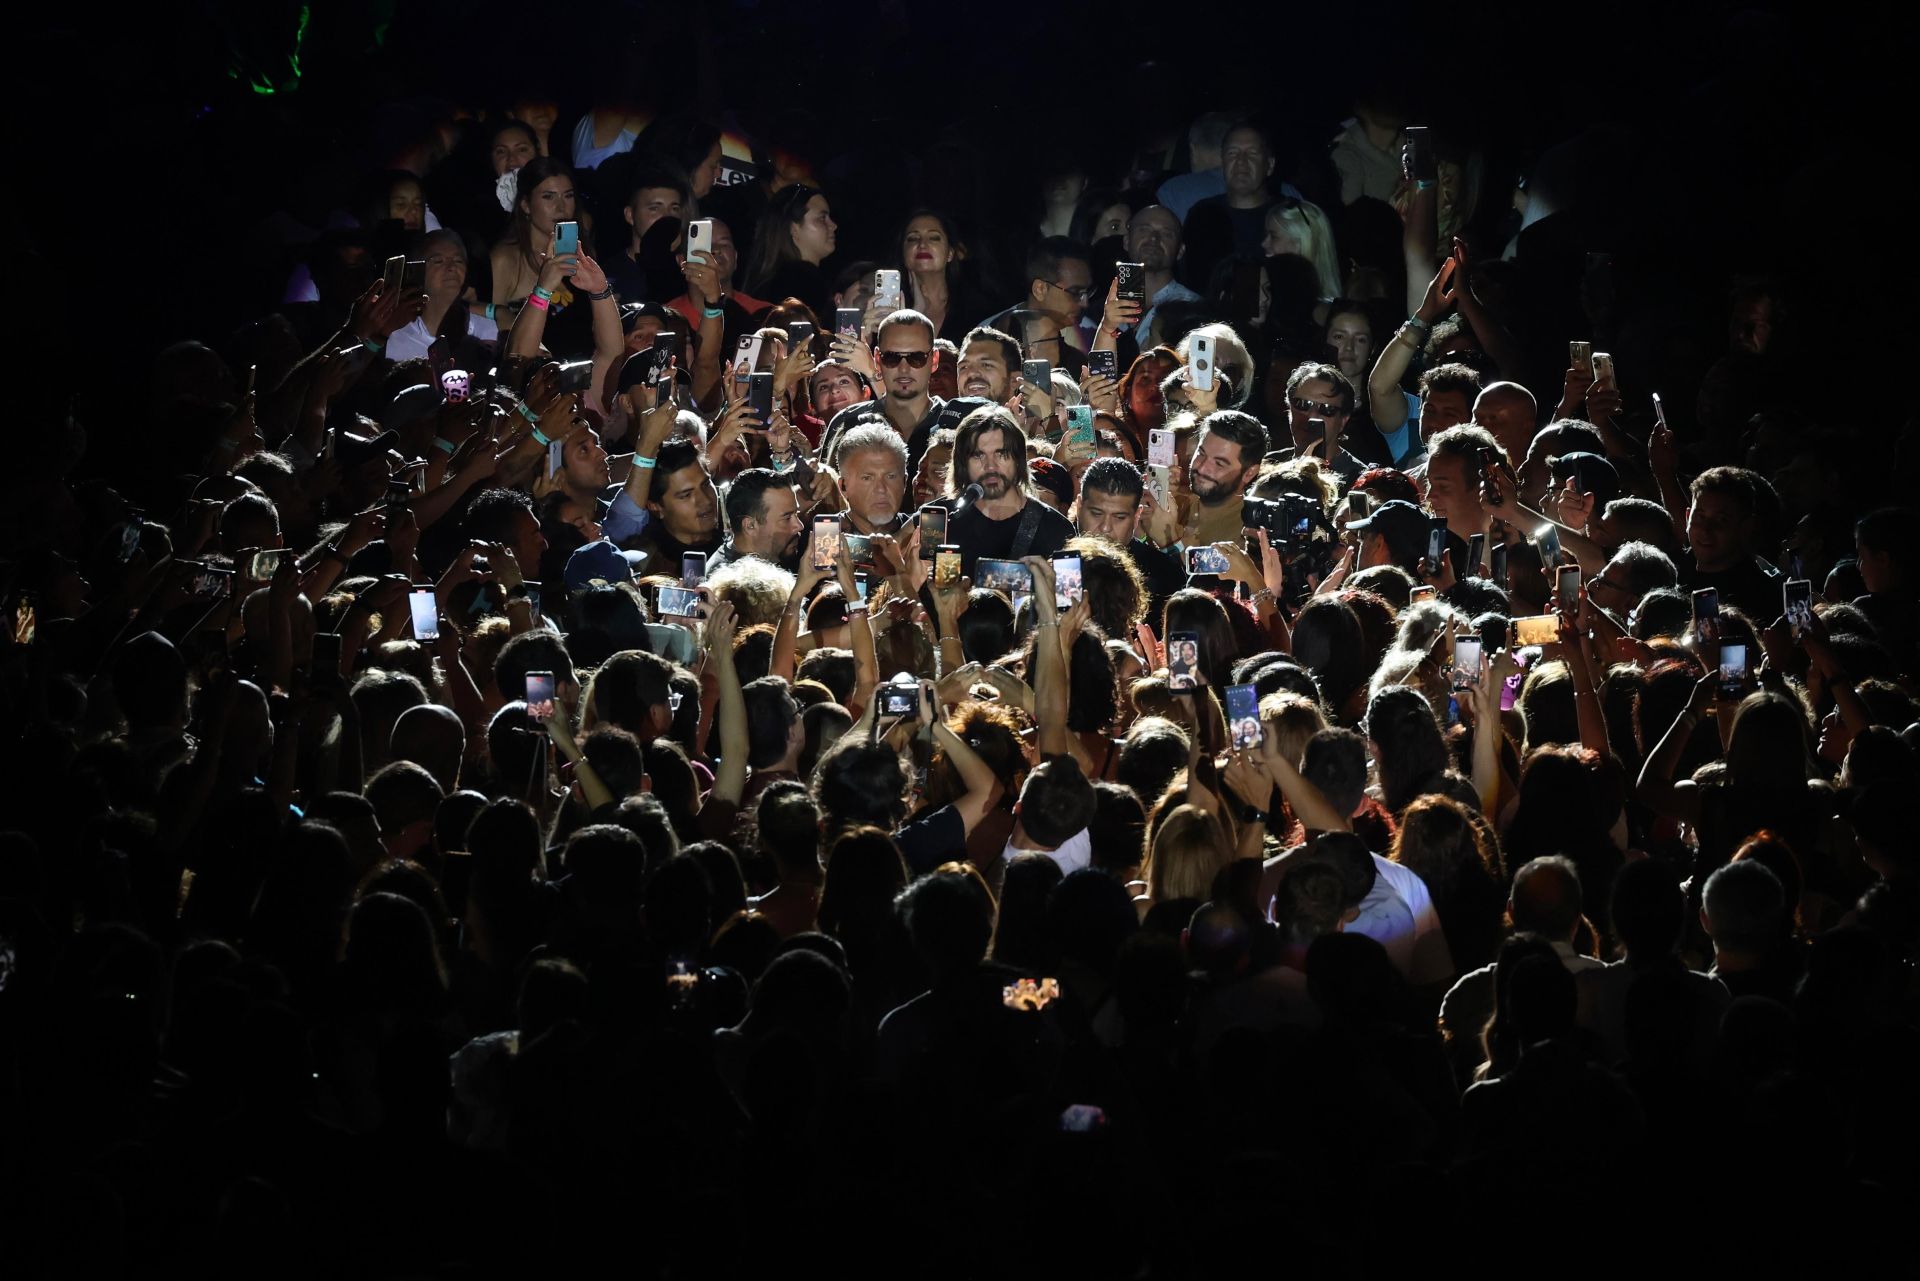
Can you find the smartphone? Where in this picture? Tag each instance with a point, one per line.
(1183, 661)
(1425, 591)
(1422, 166)
(576, 375)
(760, 395)
(566, 238)
(1008, 576)
(1580, 356)
(1079, 426)
(1206, 560)
(700, 239)
(393, 274)
(1243, 715)
(933, 530)
(846, 322)
(678, 602)
(1536, 629)
(1130, 281)
(127, 540)
(1436, 543)
(663, 388)
(413, 276)
(886, 289)
(540, 696)
(826, 541)
(326, 654)
(1547, 540)
(665, 344)
(1659, 411)
(262, 565)
(253, 381)
(210, 583)
(1068, 586)
(693, 568)
(426, 615)
(746, 356)
(1466, 662)
(1497, 571)
(1733, 671)
(1200, 362)
(556, 457)
(1037, 374)
(1567, 588)
(1798, 596)
(1104, 364)
(1706, 614)
(1160, 484)
(1602, 367)
(1159, 448)
(946, 566)
(859, 549)
(1359, 504)
(1476, 553)
(799, 334)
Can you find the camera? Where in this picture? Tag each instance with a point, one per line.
(1300, 531)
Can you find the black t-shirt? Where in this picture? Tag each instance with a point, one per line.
(1751, 587)
(977, 536)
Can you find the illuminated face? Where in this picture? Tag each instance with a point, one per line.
(931, 480)
(992, 465)
(814, 234)
(1453, 492)
(984, 372)
(894, 354)
(1153, 238)
(1217, 472)
(650, 205)
(1145, 401)
(409, 204)
(1441, 410)
(835, 386)
(446, 270)
(549, 204)
(1350, 335)
(585, 462)
(776, 535)
(1244, 163)
(688, 505)
(925, 247)
(512, 148)
(1315, 398)
(1716, 531)
(1112, 221)
(1280, 238)
(1113, 517)
(875, 483)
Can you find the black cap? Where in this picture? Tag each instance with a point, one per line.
(1403, 525)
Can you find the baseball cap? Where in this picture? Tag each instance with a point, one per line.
(600, 562)
(412, 404)
(351, 451)
(1592, 475)
(1053, 477)
(1403, 525)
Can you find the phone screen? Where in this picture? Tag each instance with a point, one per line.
(540, 695)
(1243, 715)
(1008, 576)
(1733, 670)
(826, 541)
(1547, 540)
(946, 567)
(693, 569)
(426, 615)
(1706, 614)
(1104, 364)
(1568, 588)
(679, 602)
(264, 564)
(1206, 560)
(556, 457)
(933, 530)
(1425, 591)
(1066, 580)
(1798, 594)
(1466, 662)
(1183, 660)
(1536, 629)
(1436, 544)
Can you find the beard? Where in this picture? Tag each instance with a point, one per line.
(1213, 493)
(993, 484)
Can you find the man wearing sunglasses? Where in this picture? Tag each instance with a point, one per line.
(1047, 320)
(1321, 392)
(903, 361)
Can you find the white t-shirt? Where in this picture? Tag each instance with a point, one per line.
(411, 341)
(1074, 853)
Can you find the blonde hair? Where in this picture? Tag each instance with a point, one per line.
(1307, 223)
(757, 589)
(1189, 851)
(1292, 719)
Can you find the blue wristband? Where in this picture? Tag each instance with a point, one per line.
(442, 444)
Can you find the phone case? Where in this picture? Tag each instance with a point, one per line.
(1159, 448)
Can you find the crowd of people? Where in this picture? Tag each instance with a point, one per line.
(1207, 716)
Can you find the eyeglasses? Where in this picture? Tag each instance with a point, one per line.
(1079, 293)
(915, 359)
(1319, 407)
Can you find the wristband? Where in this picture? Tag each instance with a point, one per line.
(543, 293)
(333, 552)
(1414, 322)
(642, 464)
(602, 296)
(374, 345)
(527, 413)
(856, 607)
(1250, 814)
(442, 444)
(537, 302)
(542, 437)
(713, 313)
(1424, 184)
(490, 310)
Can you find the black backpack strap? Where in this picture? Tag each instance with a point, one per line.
(1029, 527)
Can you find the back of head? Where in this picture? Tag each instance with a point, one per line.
(1118, 830)
(402, 794)
(949, 917)
(1056, 803)
(609, 860)
(788, 823)
(858, 783)
(1648, 910)
(1745, 907)
(1546, 898)
(1348, 855)
(1152, 754)
(1335, 761)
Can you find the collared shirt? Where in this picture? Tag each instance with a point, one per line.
(1073, 853)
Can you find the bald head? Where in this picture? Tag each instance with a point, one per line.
(431, 737)
(1546, 898)
(1509, 412)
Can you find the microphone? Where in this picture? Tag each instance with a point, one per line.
(968, 496)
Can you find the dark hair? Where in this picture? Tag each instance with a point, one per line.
(1020, 935)
(651, 176)
(1192, 610)
(1008, 344)
(616, 757)
(771, 716)
(788, 824)
(1547, 898)
(1114, 585)
(1327, 641)
(677, 454)
(526, 180)
(1335, 761)
(986, 627)
(1310, 371)
(773, 237)
(747, 495)
(1044, 259)
(1056, 802)
(833, 668)
(1248, 434)
(860, 783)
(1149, 760)
(1115, 476)
(1117, 832)
(628, 686)
(491, 514)
(1412, 754)
(1348, 855)
(865, 873)
(1894, 531)
(949, 918)
(1451, 377)
(534, 651)
(966, 439)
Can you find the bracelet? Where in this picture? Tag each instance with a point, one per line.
(1414, 322)
(602, 296)
(442, 444)
(537, 302)
(856, 607)
(542, 437)
(642, 463)
(713, 313)
(374, 345)
(527, 413)
(543, 293)
(491, 309)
